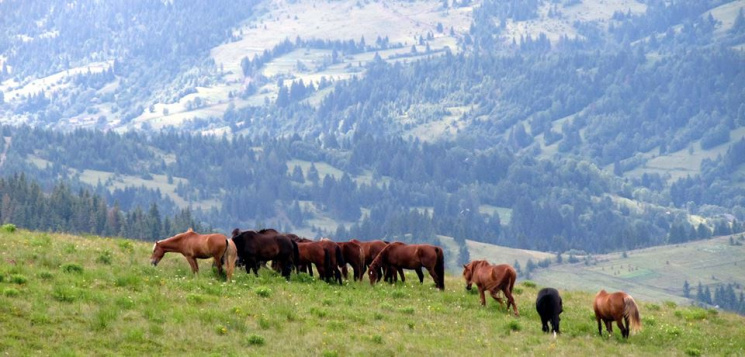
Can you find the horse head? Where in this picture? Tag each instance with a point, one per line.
(158, 253)
(372, 272)
(468, 275)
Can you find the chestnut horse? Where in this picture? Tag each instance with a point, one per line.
(199, 246)
(310, 253)
(398, 255)
(353, 255)
(336, 259)
(492, 278)
(257, 247)
(370, 250)
(619, 307)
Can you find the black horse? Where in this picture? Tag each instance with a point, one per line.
(549, 306)
(255, 248)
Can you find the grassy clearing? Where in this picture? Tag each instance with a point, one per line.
(64, 294)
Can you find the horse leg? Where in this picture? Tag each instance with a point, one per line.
(194, 266)
(495, 296)
(435, 277)
(419, 274)
(609, 326)
(600, 326)
(511, 301)
(401, 272)
(483, 297)
(624, 329)
(544, 324)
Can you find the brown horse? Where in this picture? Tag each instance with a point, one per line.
(398, 255)
(370, 250)
(619, 307)
(492, 278)
(310, 253)
(353, 255)
(336, 259)
(199, 246)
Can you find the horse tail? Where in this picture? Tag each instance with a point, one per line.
(513, 277)
(295, 254)
(327, 264)
(340, 257)
(440, 268)
(632, 312)
(230, 257)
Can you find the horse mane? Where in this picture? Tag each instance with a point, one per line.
(378, 259)
(236, 232)
(268, 230)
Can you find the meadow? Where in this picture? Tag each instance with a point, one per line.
(70, 295)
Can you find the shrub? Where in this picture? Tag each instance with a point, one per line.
(221, 330)
(408, 310)
(692, 351)
(105, 258)
(377, 339)
(195, 299)
(45, 275)
(529, 284)
(10, 292)
(72, 268)
(64, 294)
(8, 227)
(126, 246)
(18, 279)
(514, 325)
(263, 291)
(255, 340)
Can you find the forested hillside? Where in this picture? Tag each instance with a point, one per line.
(548, 125)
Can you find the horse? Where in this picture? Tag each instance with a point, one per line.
(370, 250)
(312, 252)
(336, 259)
(257, 247)
(492, 278)
(199, 246)
(354, 256)
(619, 307)
(549, 306)
(398, 255)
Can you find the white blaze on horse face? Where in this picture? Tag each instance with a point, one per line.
(155, 246)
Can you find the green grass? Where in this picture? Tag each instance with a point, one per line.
(75, 303)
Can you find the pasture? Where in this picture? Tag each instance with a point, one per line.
(70, 295)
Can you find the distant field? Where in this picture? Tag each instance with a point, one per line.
(656, 273)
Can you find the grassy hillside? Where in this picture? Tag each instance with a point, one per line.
(71, 295)
(655, 273)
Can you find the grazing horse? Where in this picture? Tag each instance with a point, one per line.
(398, 255)
(353, 255)
(619, 307)
(199, 246)
(336, 259)
(257, 247)
(312, 252)
(549, 306)
(492, 278)
(370, 250)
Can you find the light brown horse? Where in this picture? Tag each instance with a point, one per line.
(493, 278)
(199, 246)
(619, 307)
(354, 256)
(398, 255)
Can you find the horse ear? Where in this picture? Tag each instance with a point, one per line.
(465, 266)
(190, 230)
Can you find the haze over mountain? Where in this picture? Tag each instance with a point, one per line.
(593, 125)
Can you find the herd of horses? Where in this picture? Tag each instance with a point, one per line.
(381, 260)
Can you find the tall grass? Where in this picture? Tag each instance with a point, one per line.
(103, 298)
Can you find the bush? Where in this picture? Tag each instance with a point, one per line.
(10, 292)
(692, 351)
(64, 294)
(105, 258)
(18, 279)
(263, 291)
(255, 340)
(72, 268)
(529, 284)
(8, 227)
(514, 325)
